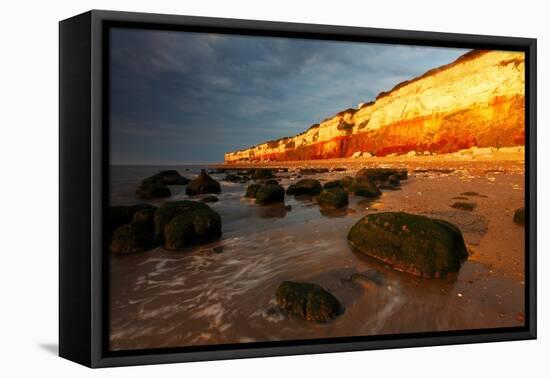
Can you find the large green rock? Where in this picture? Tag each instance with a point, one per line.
(169, 210)
(134, 237)
(192, 227)
(203, 184)
(347, 181)
(153, 189)
(168, 177)
(271, 193)
(334, 198)
(121, 215)
(416, 244)
(251, 190)
(333, 184)
(364, 188)
(305, 186)
(381, 174)
(262, 174)
(307, 301)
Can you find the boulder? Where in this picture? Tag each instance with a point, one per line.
(153, 189)
(145, 215)
(262, 174)
(203, 184)
(333, 184)
(415, 244)
(192, 227)
(232, 178)
(394, 180)
(307, 301)
(467, 206)
(172, 177)
(121, 215)
(251, 190)
(305, 186)
(346, 181)
(381, 174)
(519, 216)
(136, 236)
(168, 210)
(312, 171)
(356, 154)
(270, 193)
(364, 188)
(168, 177)
(333, 198)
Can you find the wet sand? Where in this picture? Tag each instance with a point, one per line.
(224, 292)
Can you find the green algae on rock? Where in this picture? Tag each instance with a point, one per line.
(270, 193)
(192, 227)
(136, 236)
(415, 244)
(467, 206)
(364, 188)
(251, 190)
(307, 301)
(333, 198)
(203, 184)
(305, 186)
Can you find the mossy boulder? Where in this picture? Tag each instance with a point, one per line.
(467, 206)
(305, 186)
(347, 181)
(136, 236)
(192, 227)
(203, 184)
(262, 174)
(307, 301)
(231, 177)
(153, 189)
(145, 215)
(169, 210)
(121, 215)
(168, 177)
(333, 184)
(209, 199)
(333, 198)
(251, 190)
(172, 177)
(271, 193)
(312, 171)
(416, 244)
(381, 174)
(364, 188)
(519, 216)
(394, 180)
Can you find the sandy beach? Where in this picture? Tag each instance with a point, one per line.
(223, 292)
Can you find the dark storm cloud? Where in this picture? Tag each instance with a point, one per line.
(190, 97)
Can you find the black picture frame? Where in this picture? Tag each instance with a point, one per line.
(84, 157)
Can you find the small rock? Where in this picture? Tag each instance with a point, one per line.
(467, 206)
(519, 216)
(307, 301)
(270, 193)
(203, 184)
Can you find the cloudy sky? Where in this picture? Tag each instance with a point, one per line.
(179, 97)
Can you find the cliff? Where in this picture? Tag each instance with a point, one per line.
(477, 100)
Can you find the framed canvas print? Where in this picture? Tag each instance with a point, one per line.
(234, 188)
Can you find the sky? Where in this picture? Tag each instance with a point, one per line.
(180, 97)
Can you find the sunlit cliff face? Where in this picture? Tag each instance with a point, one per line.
(478, 100)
